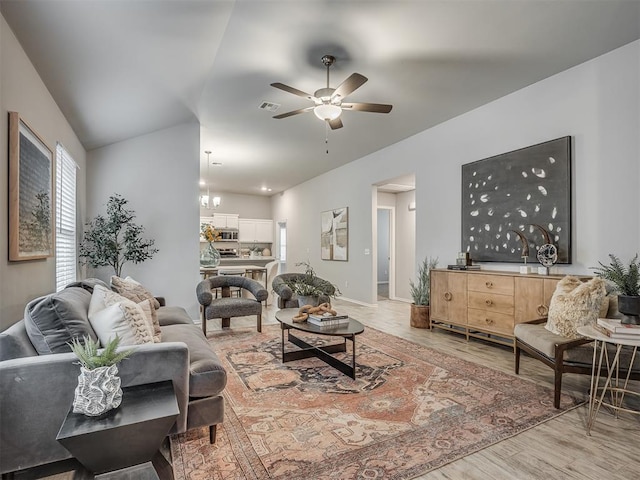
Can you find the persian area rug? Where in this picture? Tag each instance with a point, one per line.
(410, 410)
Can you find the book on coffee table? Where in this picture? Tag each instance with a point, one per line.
(326, 320)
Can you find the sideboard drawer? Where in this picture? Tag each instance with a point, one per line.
(490, 321)
(500, 284)
(491, 302)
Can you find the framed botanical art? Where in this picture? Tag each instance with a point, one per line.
(334, 236)
(30, 193)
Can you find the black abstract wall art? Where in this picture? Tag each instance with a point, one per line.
(516, 197)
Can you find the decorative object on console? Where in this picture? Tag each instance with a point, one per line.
(115, 239)
(30, 209)
(421, 294)
(334, 234)
(209, 256)
(627, 283)
(517, 192)
(98, 389)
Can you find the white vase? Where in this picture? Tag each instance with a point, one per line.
(98, 391)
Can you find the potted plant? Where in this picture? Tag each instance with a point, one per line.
(98, 389)
(114, 240)
(626, 280)
(421, 292)
(310, 288)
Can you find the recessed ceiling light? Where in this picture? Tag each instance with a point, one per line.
(264, 189)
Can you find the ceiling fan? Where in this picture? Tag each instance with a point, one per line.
(328, 102)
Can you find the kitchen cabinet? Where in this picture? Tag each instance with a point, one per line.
(225, 220)
(255, 230)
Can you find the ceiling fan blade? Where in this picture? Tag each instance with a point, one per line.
(368, 107)
(335, 124)
(293, 112)
(349, 85)
(295, 91)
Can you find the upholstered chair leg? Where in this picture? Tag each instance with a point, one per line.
(212, 434)
(204, 321)
(517, 360)
(226, 322)
(259, 323)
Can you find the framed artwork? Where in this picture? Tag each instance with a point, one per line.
(517, 201)
(334, 236)
(30, 193)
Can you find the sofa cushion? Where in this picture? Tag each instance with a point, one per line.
(140, 329)
(575, 304)
(207, 376)
(15, 343)
(54, 320)
(173, 315)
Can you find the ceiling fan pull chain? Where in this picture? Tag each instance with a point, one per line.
(326, 135)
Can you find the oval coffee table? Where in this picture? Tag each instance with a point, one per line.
(346, 331)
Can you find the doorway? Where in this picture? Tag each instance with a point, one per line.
(384, 252)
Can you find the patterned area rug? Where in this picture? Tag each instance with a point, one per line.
(411, 410)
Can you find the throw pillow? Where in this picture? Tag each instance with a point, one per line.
(575, 304)
(128, 287)
(133, 313)
(54, 320)
(151, 317)
(112, 321)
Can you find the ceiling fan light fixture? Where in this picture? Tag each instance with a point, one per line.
(327, 111)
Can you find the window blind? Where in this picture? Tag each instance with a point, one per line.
(66, 261)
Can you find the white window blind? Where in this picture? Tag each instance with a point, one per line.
(66, 261)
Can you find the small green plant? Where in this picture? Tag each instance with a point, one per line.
(625, 278)
(89, 356)
(421, 291)
(309, 286)
(114, 240)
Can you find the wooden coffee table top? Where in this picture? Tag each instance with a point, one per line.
(285, 316)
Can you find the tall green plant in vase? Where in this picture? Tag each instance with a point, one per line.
(114, 239)
(421, 294)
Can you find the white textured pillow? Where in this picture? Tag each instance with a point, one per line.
(111, 321)
(151, 317)
(575, 304)
(133, 313)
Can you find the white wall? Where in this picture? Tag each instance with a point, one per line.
(597, 103)
(246, 206)
(22, 91)
(158, 174)
(383, 246)
(406, 261)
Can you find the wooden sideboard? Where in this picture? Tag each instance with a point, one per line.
(488, 304)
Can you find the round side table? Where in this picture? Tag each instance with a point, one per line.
(615, 386)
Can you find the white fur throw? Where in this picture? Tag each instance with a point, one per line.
(575, 304)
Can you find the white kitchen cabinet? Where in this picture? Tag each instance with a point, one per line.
(255, 230)
(225, 220)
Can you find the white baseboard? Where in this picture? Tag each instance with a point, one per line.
(358, 302)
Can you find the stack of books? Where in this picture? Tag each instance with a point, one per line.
(463, 267)
(328, 320)
(614, 329)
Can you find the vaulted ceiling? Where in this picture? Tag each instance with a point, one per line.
(122, 68)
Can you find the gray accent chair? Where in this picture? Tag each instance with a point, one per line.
(288, 299)
(37, 389)
(227, 307)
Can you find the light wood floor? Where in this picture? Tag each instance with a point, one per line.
(557, 449)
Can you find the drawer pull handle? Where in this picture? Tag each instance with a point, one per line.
(489, 284)
(448, 296)
(488, 321)
(488, 302)
(542, 310)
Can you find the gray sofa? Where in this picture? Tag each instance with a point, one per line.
(37, 390)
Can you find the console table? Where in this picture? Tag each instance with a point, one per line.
(121, 443)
